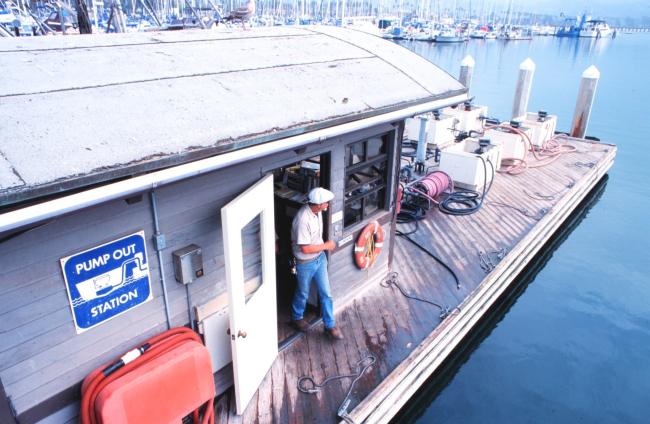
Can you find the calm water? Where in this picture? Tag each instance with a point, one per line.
(572, 342)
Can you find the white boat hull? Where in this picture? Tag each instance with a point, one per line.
(596, 33)
(446, 39)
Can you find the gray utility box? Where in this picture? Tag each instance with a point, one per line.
(188, 263)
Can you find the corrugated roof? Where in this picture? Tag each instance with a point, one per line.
(81, 110)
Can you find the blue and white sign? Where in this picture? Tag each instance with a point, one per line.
(107, 280)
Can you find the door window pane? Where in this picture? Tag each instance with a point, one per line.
(354, 153)
(377, 146)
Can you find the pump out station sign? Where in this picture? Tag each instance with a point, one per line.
(107, 280)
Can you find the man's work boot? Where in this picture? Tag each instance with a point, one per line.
(301, 325)
(334, 333)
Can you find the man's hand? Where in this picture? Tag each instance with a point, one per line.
(329, 245)
(315, 248)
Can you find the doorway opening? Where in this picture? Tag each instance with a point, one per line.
(291, 186)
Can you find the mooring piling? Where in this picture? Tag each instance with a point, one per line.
(522, 92)
(585, 101)
(466, 71)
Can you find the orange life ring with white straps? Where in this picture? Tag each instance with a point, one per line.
(364, 256)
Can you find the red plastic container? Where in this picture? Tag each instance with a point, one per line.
(163, 390)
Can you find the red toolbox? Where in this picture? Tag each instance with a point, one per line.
(171, 379)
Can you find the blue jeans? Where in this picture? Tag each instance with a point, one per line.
(317, 270)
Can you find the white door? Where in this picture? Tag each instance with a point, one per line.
(253, 324)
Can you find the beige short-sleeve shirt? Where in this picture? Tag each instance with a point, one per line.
(307, 229)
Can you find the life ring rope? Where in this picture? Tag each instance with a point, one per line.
(369, 245)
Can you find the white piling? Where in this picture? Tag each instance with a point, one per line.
(522, 93)
(585, 102)
(466, 71)
(421, 154)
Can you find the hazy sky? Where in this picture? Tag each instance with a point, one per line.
(599, 8)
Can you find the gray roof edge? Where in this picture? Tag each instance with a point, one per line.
(20, 194)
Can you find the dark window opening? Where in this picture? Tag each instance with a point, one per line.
(366, 178)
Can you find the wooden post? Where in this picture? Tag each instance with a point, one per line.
(585, 102)
(466, 71)
(524, 83)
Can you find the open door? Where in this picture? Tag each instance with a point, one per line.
(253, 324)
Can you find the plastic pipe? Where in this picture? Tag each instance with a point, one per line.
(422, 140)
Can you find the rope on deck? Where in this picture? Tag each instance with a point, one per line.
(343, 409)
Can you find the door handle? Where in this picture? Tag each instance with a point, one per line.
(242, 334)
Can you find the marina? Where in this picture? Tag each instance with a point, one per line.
(423, 21)
(405, 339)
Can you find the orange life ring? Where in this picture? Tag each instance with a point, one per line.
(373, 229)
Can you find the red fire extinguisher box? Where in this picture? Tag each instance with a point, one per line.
(163, 390)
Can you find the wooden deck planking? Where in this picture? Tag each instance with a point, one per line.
(393, 392)
(382, 322)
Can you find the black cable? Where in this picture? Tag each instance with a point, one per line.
(539, 196)
(411, 212)
(425, 250)
(538, 216)
(391, 280)
(471, 200)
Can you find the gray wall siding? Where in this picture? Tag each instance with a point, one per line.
(40, 352)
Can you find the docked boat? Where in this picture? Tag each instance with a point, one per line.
(449, 35)
(479, 33)
(516, 35)
(571, 27)
(386, 26)
(423, 34)
(490, 36)
(546, 31)
(595, 29)
(14, 18)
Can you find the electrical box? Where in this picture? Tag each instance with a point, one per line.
(188, 263)
(513, 145)
(439, 132)
(543, 126)
(468, 118)
(464, 165)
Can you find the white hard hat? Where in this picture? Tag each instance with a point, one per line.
(320, 195)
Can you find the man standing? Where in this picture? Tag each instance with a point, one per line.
(311, 263)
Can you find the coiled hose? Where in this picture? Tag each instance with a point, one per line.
(432, 185)
(549, 152)
(159, 345)
(467, 202)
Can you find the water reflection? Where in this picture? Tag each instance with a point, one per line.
(416, 409)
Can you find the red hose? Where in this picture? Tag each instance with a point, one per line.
(549, 151)
(160, 344)
(432, 185)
